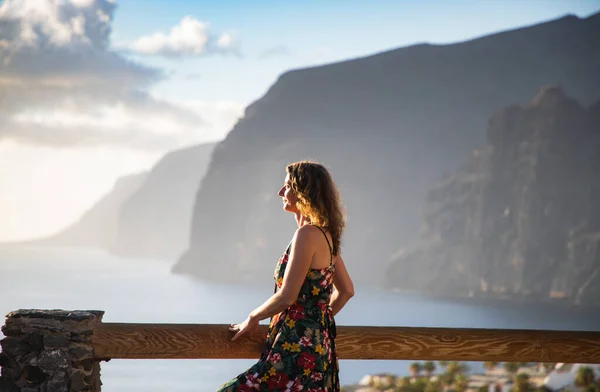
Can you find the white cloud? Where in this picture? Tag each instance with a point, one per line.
(44, 23)
(275, 51)
(44, 189)
(119, 125)
(227, 41)
(82, 3)
(75, 114)
(62, 85)
(193, 76)
(190, 37)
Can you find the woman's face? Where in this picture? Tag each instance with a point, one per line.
(288, 196)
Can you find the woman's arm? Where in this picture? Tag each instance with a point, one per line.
(344, 288)
(275, 304)
(301, 254)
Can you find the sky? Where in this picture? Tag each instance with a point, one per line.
(91, 90)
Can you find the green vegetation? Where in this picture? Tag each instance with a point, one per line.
(512, 367)
(522, 383)
(452, 376)
(586, 380)
(429, 368)
(424, 378)
(585, 377)
(415, 369)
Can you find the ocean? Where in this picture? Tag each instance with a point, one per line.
(144, 291)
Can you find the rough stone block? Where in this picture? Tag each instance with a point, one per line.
(28, 359)
(53, 360)
(49, 351)
(81, 352)
(7, 386)
(78, 338)
(78, 381)
(56, 341)
(10, 367)
(36, 341)
(57, 387)
(14, 346)
(11, 328)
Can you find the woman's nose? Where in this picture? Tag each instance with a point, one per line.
(280, 193)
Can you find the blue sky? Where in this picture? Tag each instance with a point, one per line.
(314, 32)
(95, 106)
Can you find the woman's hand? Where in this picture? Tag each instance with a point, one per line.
(247, 326)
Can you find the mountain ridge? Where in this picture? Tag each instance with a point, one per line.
(388, 126)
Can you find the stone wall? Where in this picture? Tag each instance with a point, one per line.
(49, 351)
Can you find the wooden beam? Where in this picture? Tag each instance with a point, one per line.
(154, 341)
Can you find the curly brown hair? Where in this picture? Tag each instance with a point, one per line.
(318, 198)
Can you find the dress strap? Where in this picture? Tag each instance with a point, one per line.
(328, 244)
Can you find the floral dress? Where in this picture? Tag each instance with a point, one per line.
(299, 353)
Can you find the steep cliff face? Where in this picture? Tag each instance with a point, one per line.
(521, 219)
(582, 272)
(388, 126)
(155, 221)
(147, 215)
(99, 225)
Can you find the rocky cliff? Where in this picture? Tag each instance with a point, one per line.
(155, 221)
(387, 125)
(99, 225)
(522, 218)
(147, 215)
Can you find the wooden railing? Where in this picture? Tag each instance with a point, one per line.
(147, 341)
(41, 346)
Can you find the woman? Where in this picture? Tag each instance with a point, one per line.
(311, 286)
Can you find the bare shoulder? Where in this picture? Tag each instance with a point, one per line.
(307, 235)
(308, 231)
